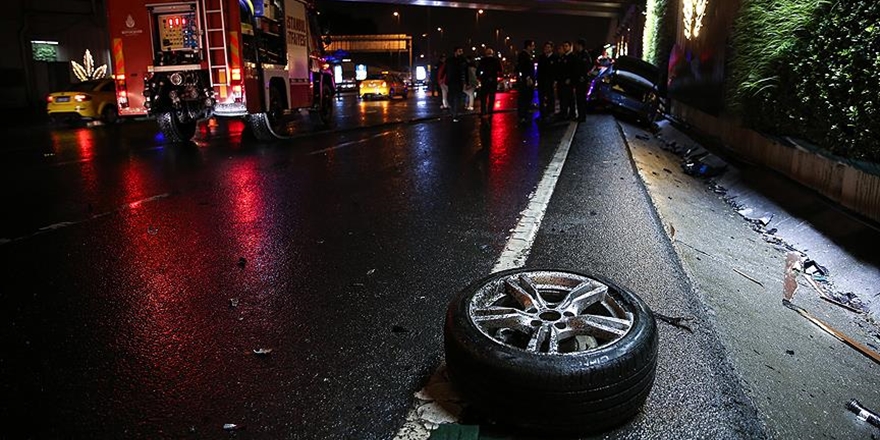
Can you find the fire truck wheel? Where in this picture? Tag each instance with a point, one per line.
(110, 115)
(327, 106)
(173, 129)
(551, 351)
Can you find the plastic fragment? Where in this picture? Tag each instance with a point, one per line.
(262, 351)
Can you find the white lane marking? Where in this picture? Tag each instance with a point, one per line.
(519, 245)
(350, 143)
(423, 417)
(62, 225)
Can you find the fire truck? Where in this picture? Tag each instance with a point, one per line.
(186, 61)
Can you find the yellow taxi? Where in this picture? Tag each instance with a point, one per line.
(88, 100)
(383, 85)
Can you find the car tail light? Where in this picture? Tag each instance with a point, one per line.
(50, 99)
(82, 98)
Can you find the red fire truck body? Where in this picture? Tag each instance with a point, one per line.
(185, 61)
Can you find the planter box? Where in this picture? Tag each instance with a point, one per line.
(850, 187)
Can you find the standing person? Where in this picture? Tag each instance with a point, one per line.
(435, 84)
(581, 65)
(525, 71)
(546, 77)
(471, 87)
(490, 69)
(456, 80)
(441, 79)
(566, 82)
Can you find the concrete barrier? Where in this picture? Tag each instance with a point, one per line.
(849, 186)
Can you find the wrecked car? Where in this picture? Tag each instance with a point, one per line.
(630, 88)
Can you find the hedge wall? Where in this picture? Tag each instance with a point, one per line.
(659, 35)
(809, 69)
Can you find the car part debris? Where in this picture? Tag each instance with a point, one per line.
(863, 414)
(513, 349)
(675, 321)
(789, 281)
(262, 351)
(811, 267)
(747, 277)
(833, 332)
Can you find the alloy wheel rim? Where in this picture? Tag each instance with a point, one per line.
(550, 312)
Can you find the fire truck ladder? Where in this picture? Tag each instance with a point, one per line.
(215, 39)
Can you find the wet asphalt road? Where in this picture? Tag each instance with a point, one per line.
(139, 277)
(123, 257)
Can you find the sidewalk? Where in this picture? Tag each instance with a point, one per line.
(798, 376)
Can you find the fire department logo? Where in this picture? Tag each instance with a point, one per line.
(130, 27)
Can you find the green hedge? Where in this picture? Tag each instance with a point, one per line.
(836, 74)
(809, 69)
(659, 35)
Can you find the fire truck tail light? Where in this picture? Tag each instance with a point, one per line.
(120, 77)
(236, 74)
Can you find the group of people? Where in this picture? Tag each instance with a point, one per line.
(561, 79)
(459, 77)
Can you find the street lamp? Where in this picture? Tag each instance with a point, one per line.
(440, 29)
(479, 13)
(397, 17)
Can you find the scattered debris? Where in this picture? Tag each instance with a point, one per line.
(262, 351)
(231, 427)
(811, 267)
(643, 137)
(371, 271)
(833, 332)
(667, 170)
(701, 163)
(674, 321)
(789, 352)
(152, 230)
(748, 214)
(747, 277)
(862, 413)
(242, 262)
(233, 302)
(789, 281)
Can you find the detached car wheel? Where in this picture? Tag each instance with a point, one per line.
(551, 351)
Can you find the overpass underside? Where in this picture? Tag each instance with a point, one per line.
(603, 9)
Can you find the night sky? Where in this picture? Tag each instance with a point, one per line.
(460, 26)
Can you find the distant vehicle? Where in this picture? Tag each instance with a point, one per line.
(630, 87)
(89, 100)
(346, 85)
(506, 83)
(384, 85)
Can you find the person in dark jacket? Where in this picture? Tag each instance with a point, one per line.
(565, 84)
(489, 70)
(456, 80)
(525, 70)
(581, 65)
(546, 78)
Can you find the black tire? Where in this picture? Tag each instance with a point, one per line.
(559, 393)
(173, 129)
(110, 114)
(326, 111)
(272, 124)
